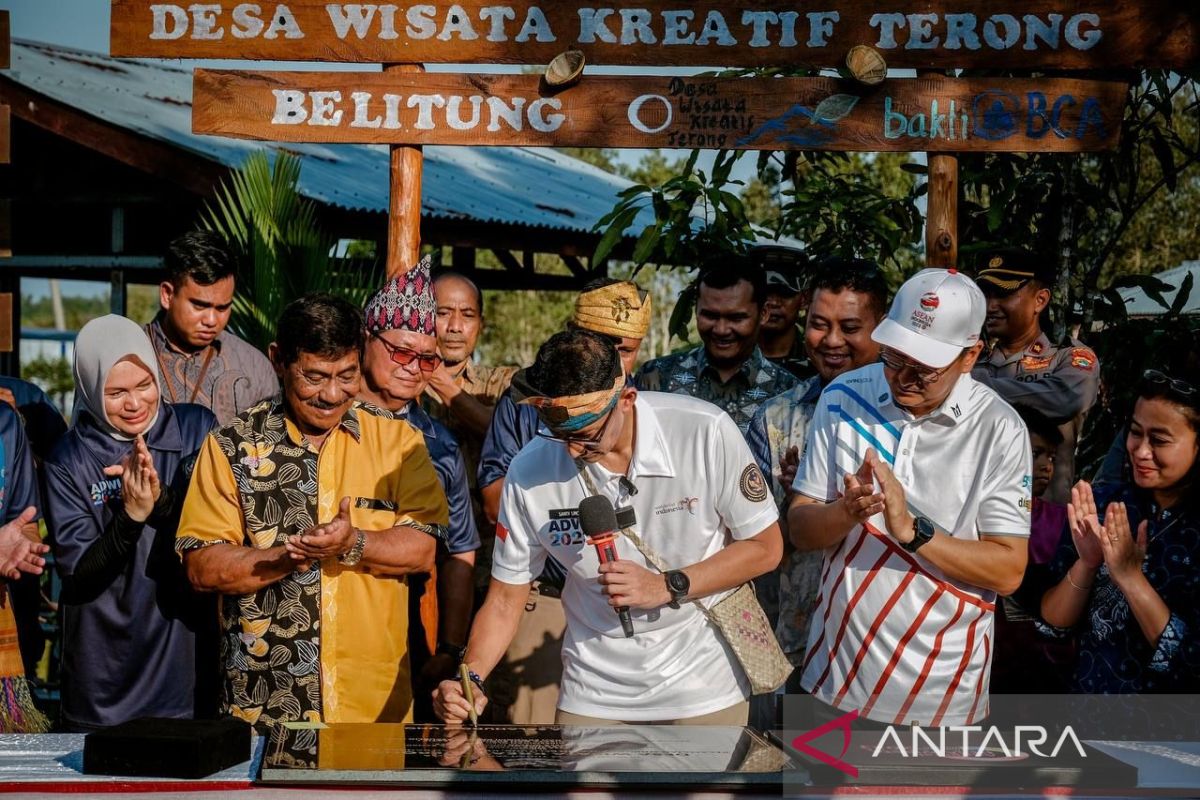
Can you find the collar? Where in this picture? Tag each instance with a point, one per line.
(467, 376)
(159, 334)
(349, 421)
(812, 389)
(1038, 348)
(956, 407)
(418, 418)
(164, 435)
(749, 369)
(651, 458)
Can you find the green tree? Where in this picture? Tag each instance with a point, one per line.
(283, 252)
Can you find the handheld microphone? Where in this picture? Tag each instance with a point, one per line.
(598, 521)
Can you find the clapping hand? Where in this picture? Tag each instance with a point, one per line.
(18, 551)
(860, 497)
(140, 487)
(896, 516)
(1120, 551)
(789, 462)
(324, 541)
(1084, 522)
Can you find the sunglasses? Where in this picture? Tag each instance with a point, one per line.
(926, 375)
(588, 443)
(1183, 389)
(427, 362)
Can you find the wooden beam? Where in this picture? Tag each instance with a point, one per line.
(990, 34)
(932, 114)
(404, 217)
(504, 279)
(5, 40)
(941, 210)
(6, 322)
(462, 259)
(5, 229)
(509, 261)
(192, 173)
(5, 134)
(575, 265)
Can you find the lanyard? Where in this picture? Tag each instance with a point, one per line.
(208, 355)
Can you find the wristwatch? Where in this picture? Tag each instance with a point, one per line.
(355, 553)
(678, 584)
(923, 529)
(455, 651)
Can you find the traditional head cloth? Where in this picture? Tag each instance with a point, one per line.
(569, 413)
(619, 309)
(100, 345)
(405, 303)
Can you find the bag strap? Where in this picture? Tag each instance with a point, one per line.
(646, 552)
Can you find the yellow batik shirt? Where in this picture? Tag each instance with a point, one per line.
(330, 644)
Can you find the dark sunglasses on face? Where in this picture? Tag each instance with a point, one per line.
(427, 362)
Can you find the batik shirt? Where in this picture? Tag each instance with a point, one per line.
(329, 644)
(690, 373)
(781, 423)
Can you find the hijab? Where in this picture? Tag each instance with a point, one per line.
(100, 346)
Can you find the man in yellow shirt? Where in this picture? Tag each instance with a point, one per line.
(328, 503)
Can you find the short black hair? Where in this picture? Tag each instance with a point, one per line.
(1039, 423)
(575, 361)
(320, 324)
(726, 271)
(203, 256)
(599, 283)
(837, 274)
(450, 273)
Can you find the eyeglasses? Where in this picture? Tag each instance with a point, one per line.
(428, 362)
(589, 443)
(926, 375)
(1183, 389)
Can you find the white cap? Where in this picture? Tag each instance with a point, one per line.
(936, 314)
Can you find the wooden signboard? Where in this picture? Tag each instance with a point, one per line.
(992, 34)
(927, 114)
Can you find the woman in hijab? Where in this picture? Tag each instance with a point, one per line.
(137, 641)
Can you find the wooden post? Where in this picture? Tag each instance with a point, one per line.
(941, 210)
(404, 212)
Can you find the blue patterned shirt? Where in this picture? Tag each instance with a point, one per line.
(690, 373)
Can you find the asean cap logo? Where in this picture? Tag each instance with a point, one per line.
(929, 301)
(996, 262)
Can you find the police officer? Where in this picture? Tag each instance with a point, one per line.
(1059, 380)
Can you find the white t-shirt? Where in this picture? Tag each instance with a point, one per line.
(697, 484)
(892, 636)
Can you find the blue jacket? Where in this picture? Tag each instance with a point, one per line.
(132, 645)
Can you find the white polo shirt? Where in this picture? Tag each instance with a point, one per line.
(892, 636)
(697, 486)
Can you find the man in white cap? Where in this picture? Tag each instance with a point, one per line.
(915, 481)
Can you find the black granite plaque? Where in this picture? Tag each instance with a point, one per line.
(627, 756)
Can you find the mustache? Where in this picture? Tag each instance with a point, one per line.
(318, 403)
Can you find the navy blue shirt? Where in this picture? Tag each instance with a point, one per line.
(44, 423)
(137, 647)
(1114, 655)
(18, 483)
(513, 426)
(462, 536)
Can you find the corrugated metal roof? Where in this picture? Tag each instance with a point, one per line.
(1139, 304)
(510, 185)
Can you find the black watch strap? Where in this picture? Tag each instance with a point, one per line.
(455, 651)
(923, 530)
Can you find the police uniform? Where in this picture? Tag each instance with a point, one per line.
(1059, 381)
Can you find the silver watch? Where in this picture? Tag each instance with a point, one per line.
(355, 553)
